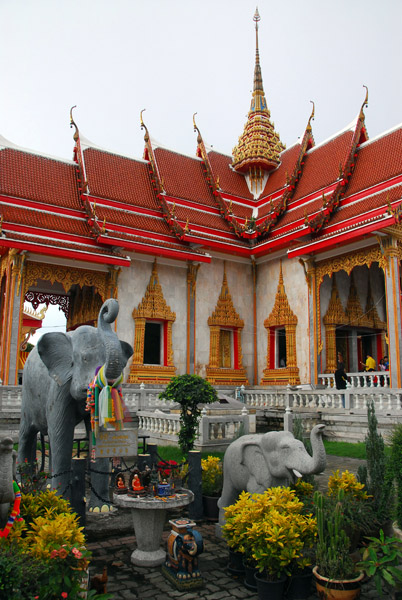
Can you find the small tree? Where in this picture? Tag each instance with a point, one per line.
(377, 476)
(189, 391)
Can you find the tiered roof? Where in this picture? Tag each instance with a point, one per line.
(101, 206)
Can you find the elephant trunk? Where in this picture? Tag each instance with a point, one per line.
(318, 460)
(114, 360)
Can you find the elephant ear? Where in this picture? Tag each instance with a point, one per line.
(56, 351)
(253, 458)
(127, 351)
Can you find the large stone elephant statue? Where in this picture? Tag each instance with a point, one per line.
(7, 475)
(255, 463)
(55, 381)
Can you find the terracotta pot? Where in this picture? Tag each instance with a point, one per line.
(337, 589)
(210, 507)
(270, 590)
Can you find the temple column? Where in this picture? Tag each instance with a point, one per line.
(394, 321)
(255, 355)
(14, 303)
(313, 318)
(192, 271)
(353, 362)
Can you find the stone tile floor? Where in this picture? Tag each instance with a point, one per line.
(112, 545)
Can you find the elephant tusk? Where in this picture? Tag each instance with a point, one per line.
(297, 473)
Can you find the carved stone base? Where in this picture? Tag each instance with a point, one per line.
(218, 376)
(151, 374)
(287, 376)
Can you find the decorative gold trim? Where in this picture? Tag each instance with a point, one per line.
(225, 316)
(347, 262)
(282, 315)
(152, 306)
(67, 276)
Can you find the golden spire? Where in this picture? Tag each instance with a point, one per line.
(259, 145)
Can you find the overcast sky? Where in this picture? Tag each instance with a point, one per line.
(113, 58)
(174, 58)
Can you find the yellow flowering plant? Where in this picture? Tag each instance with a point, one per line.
(347, 482)
(212, 476)
(50, 532)
(271, 531)
(359, 516)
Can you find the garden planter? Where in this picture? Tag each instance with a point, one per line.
(299, 587)
(270, 590)
(210, 507)
(337, 589)
(235, 566)
(249, 580)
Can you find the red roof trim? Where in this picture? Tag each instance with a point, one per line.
(208, 243)
(311, 197)
(140, 232)
(144, 248)
(193, 205)
(356, 233)
(50, 208)
(51, 233)
(124, 206)
(63, 252)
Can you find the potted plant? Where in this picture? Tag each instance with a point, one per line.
(334, 571)
(212, 481)
(272, 533)
(380, 561)
(44, 554)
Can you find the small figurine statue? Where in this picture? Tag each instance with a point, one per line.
(120, 484)
(136, 489)
(184, 545)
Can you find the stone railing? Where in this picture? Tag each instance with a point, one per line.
(10, 398)
(358, 380)
(214, 431)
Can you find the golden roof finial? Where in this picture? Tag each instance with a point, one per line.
(311, 116)
(199, 136)
(143, 126)
(104, 225)
(73, 123)
(365, 103)
(186, 228)
(259, 146)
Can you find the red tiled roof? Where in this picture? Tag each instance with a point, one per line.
(131, 219)
(322, 164)
(230, 182)
(206, 219)
(43, 220)
(34, 177)
(119, 178)
(47, 241)
(277, 179)
(377, 161)
(183, 177)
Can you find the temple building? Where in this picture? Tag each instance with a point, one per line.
(254, 268)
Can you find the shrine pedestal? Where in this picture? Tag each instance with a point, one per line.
(149, 516)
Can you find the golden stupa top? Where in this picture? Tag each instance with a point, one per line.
(259, 145)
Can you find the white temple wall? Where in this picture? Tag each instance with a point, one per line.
(209, 284)
(297, 294)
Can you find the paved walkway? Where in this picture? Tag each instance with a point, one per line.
(128, 582)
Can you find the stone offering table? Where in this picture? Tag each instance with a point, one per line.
(149, 516)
